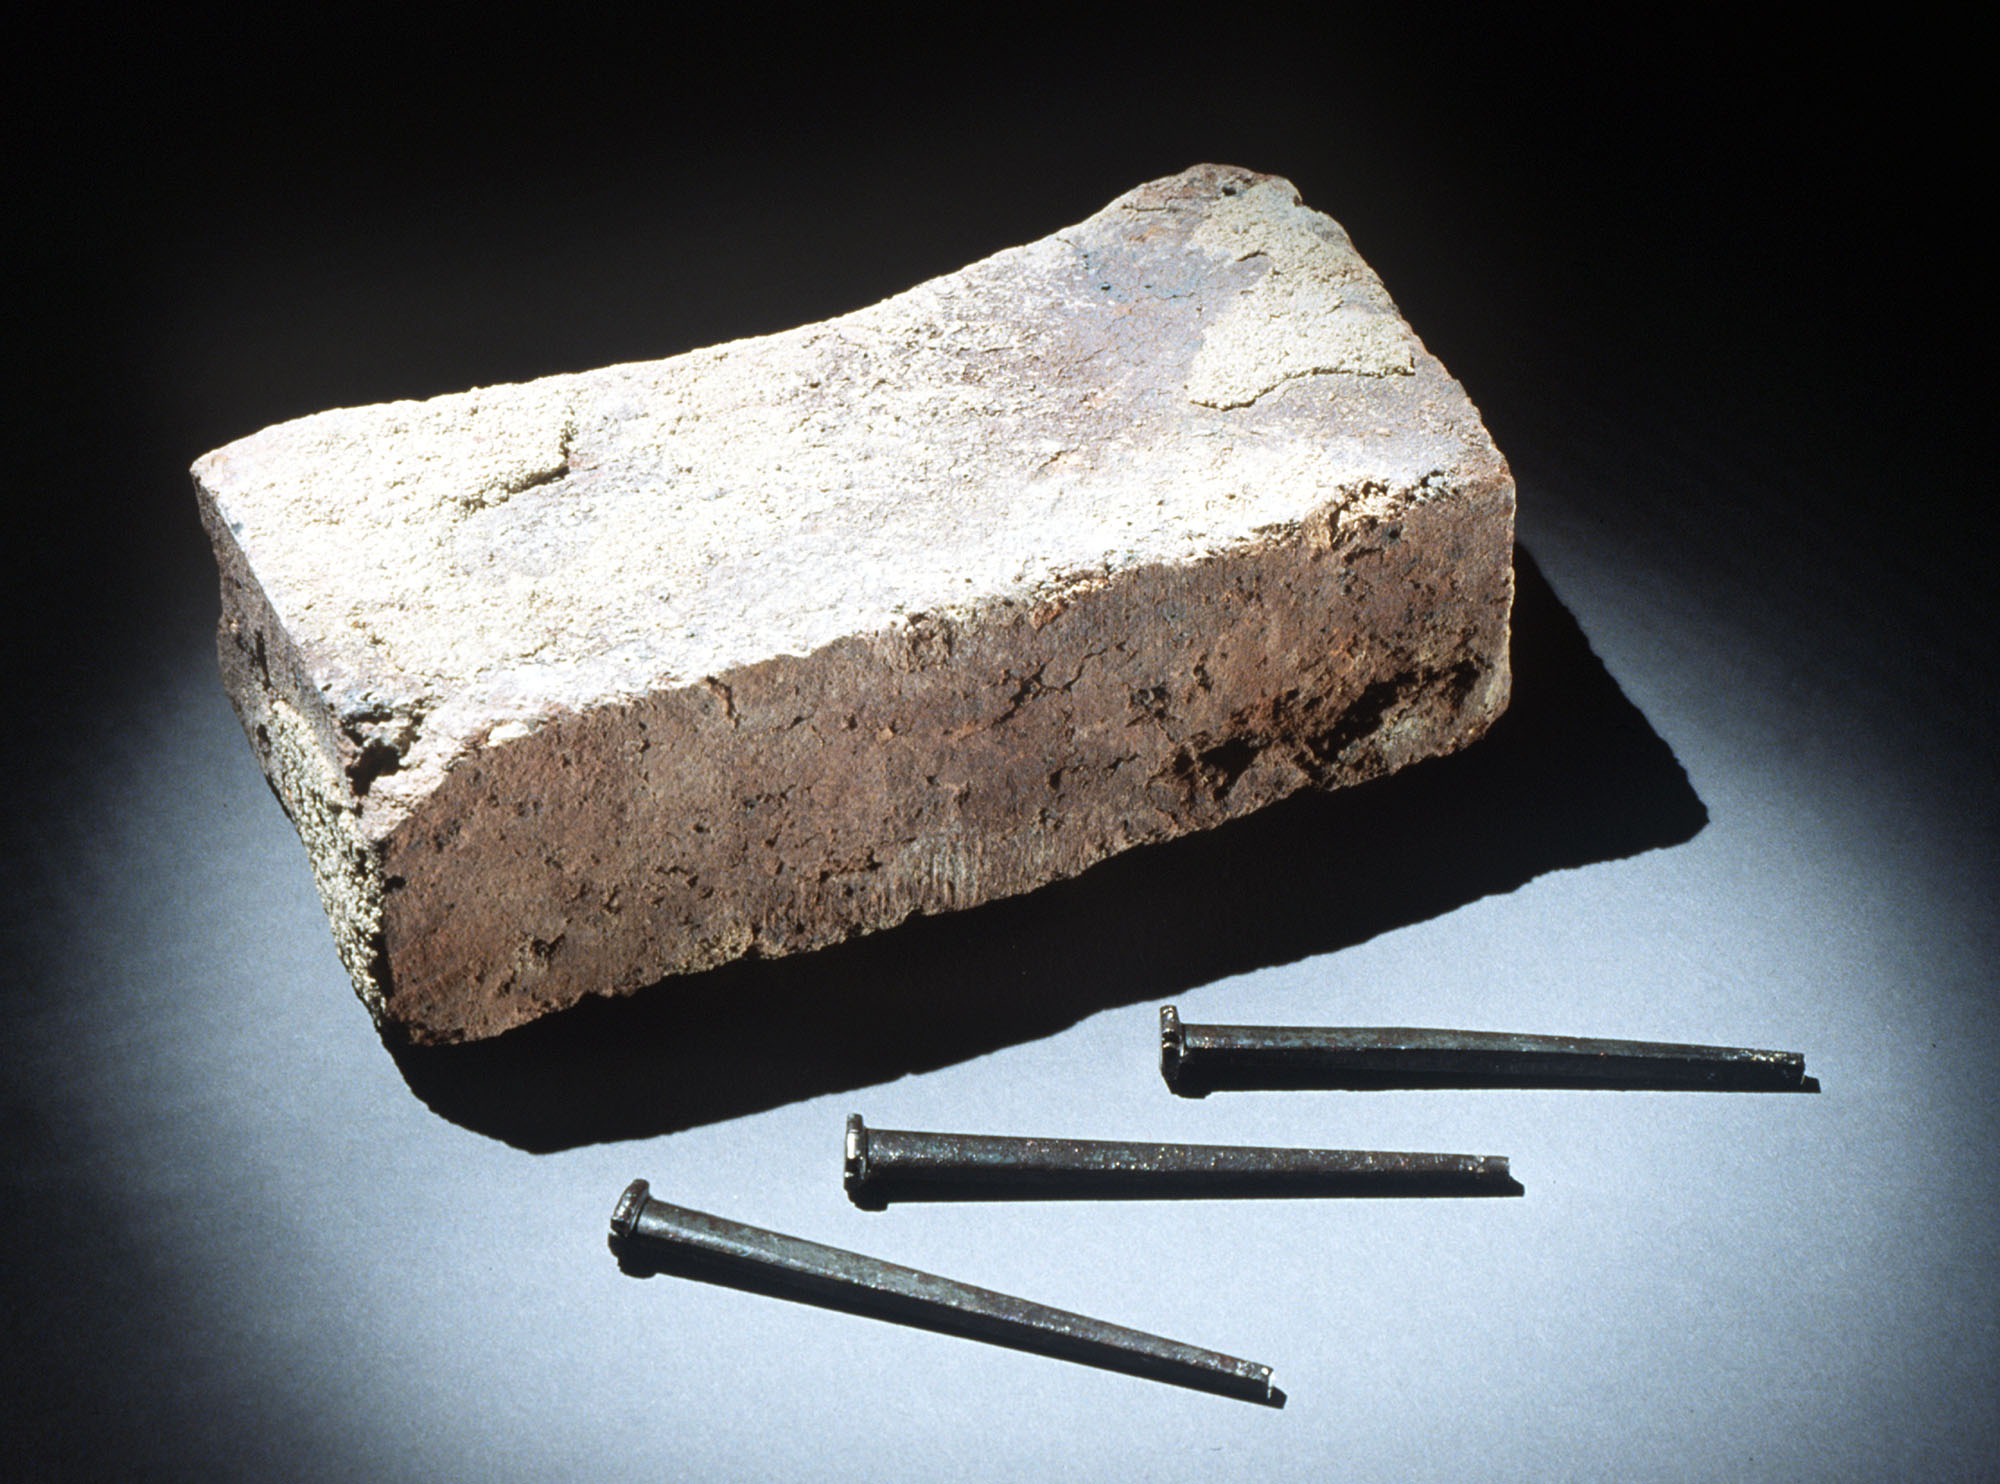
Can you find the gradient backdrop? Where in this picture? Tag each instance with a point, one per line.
(1721, 296)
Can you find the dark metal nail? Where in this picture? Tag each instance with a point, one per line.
(1199, 1059)
(651, 1236)
(884, 1165)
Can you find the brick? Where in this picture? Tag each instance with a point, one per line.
(577, 685)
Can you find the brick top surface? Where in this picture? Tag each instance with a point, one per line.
(1204, 364)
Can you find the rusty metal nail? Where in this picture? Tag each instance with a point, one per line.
(884, 1165)
(1199, 1059)
(650, 1236)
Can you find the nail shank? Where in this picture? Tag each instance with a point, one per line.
(884, 1165)
(1198, 1059)
(653, 1236)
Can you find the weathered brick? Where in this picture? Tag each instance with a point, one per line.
(579, 684)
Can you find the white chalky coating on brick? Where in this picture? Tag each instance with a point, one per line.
(1318, 310)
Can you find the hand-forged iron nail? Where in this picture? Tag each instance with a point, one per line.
(651, 1236)
(1199, 1059)
(884, 1165)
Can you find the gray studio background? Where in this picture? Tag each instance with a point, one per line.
(1746, 795)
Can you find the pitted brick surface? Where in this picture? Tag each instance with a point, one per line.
(575, 685)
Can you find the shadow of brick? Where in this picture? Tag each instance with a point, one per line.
(1570, 775)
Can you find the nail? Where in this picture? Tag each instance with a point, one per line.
(884, 1165)
(1199, 1059)
(651, 1236)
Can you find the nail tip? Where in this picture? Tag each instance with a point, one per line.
(1263, 1389)
(1499, 1171)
